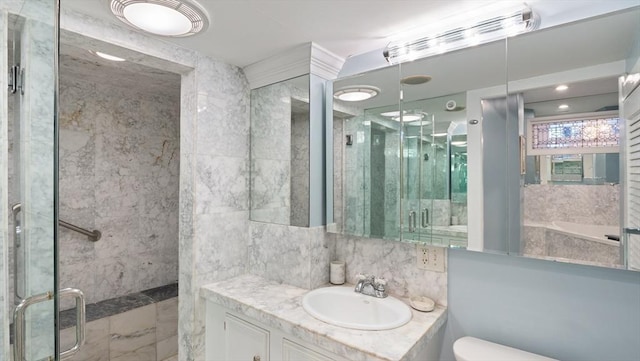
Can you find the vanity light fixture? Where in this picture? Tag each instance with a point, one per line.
(175, 18)
(439, 135)
(563, 107)
(356, 93)
(561, 88)
(107, 56)
(459, 143)
(479, 32)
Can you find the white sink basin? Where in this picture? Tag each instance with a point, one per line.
(341, 306)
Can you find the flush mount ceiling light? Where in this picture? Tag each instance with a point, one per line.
(476, 32)
(395, 113)
(176, 18)
(408, 118)
(356, 93)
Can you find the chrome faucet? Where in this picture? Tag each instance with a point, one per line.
(371, 286)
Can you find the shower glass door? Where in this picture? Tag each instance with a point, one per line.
(31, 43)
(416, 170)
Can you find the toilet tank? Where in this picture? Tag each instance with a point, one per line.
(474, 349)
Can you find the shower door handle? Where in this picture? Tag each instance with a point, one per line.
(425, 218)
(20, 323)
(412, 221)
(17, 230)
(81, 320)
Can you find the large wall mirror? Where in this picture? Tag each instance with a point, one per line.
(444, 152)
(568, 81)
(280, 160)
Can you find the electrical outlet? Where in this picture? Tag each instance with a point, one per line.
(430, 258)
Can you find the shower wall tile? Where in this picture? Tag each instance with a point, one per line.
(133, 331)
(394, 261)
(585, 204)
(119, 173)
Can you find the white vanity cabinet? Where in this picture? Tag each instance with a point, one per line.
(234, 337)
(244, 340)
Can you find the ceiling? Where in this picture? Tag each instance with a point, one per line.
(243, 32)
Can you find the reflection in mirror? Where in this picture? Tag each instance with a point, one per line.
(522, 202)
(280, 153)
(569, 116)
(400, 157)
(366, 158)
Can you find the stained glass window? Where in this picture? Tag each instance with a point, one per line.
(587, 133)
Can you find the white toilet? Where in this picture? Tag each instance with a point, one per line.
(474, 349)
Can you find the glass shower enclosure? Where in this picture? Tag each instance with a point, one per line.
(28, 164)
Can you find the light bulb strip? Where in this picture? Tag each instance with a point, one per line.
(482, 32)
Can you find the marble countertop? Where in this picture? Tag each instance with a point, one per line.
(279, 305)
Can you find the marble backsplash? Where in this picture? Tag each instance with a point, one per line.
(296, 256)
(119, 170)
(301, 256)
(585, 204)
(395, 261)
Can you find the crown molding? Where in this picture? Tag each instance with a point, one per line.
(324, 63)
(303, 59)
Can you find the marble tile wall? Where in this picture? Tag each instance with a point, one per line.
(271, 153)
(214, 189)
(354, 177)
(395, 261)
(4, 194)
(214, 162)
(296, 256)
(119, 174)
(280, 154)
(299, 182)
(585, 204)
(145, 333)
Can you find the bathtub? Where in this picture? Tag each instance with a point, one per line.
(571, 241)
(591, 232)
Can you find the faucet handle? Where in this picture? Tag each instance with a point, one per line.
(380, 282)
(361, 277)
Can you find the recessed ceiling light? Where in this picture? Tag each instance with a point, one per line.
(356, 93)
(563, 107)
(175, 18)
(107, 56)
(562, 88)
(415, 79)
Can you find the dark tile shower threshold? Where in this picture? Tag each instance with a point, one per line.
(114, 306)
